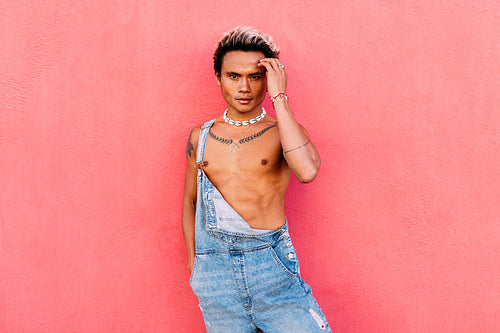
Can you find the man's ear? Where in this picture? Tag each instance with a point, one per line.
(217, 77)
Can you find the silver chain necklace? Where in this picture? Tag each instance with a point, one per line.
(234, 144)
(245, 122)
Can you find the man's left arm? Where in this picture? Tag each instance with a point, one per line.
(299, 152)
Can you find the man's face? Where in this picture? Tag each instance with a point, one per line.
(242, 81)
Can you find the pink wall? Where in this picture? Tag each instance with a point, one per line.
(399, 233)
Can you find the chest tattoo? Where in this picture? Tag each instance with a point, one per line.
(229, 141)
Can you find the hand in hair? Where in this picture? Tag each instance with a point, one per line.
(276, 75)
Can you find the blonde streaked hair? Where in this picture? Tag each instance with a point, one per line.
(244, 39)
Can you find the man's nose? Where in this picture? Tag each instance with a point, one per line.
(244, 85)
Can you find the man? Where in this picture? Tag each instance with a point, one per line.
(243, 265)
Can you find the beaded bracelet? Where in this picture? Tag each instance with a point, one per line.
(279, 95)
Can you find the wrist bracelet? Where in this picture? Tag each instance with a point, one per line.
(279, 95)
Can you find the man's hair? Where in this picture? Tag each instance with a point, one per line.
(244, 39)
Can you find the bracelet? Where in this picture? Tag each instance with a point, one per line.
(279, 95)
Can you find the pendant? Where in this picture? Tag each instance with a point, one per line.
(234, 145)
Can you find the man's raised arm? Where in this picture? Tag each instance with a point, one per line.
(299, 152)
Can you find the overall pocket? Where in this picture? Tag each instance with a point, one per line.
(284, 254)
(191, 278)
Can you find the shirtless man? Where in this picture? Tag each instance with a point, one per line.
(243, 265)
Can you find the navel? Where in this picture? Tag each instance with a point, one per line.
(263, 162)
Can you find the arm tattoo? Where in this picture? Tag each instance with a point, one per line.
(189, 147)
(297, 147)
(229, 141)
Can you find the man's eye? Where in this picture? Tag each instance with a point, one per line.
(232, 76)
(255, 77)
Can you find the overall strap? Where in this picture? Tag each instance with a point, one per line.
(200, 152)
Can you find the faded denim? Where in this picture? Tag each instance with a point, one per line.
(246, 280)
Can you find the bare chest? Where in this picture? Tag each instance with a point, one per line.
(243, 157)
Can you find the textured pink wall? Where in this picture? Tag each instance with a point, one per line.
(400, 232)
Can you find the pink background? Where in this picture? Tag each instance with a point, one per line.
(400, 231)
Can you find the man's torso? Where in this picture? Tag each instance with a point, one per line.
(250, 173)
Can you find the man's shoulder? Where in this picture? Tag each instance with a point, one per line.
(194, 135)
(195, 129)
(204, 125)
(208, 123)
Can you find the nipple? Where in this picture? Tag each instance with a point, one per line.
(263, 162)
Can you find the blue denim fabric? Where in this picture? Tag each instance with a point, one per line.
(246, 280)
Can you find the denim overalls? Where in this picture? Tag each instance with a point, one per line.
(246, 280)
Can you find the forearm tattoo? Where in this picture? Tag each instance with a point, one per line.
(297, 147)
(189, 147)
(246, 139)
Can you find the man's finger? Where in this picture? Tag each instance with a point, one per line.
(267, 65)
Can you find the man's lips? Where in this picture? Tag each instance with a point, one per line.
(244, 100)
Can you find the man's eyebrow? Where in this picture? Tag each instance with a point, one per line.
(251, 74)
